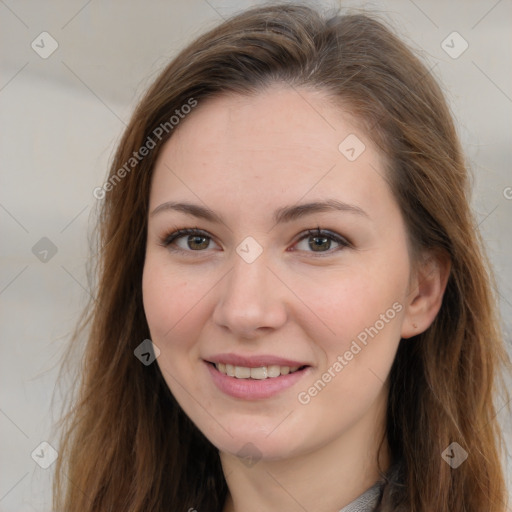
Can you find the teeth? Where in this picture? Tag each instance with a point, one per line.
(274, 370)
(260, 373)
(241, 372)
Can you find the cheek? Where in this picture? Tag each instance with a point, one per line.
(350, 303)
(364, 311)
(361, 309)
(172, 303)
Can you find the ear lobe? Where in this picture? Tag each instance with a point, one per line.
(426, 294)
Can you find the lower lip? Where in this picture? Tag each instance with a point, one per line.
(253, 389)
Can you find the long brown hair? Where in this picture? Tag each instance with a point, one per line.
(126, 443)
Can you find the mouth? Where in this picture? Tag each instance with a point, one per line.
(256, 373)
(254, 382)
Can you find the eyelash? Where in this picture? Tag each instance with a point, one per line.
(171, 237)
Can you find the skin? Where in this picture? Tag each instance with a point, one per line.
(245, 157)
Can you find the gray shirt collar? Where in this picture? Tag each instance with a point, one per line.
(366, 502)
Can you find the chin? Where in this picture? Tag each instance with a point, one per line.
(252, 449)
(251, 441)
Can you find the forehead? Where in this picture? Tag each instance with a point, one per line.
(277, 145)
(285, 121)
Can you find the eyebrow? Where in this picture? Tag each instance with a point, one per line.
(281, 215)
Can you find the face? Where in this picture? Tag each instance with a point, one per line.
(278, 307)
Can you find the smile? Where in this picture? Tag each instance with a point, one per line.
(258, 373)
(254, 383)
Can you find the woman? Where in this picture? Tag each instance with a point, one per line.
(294, 310)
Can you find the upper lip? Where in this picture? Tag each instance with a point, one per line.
(254, 361)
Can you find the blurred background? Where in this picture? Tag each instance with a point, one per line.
(71, 73)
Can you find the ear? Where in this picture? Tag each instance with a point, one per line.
(426, 290)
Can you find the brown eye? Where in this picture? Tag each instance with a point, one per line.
(187, 240)
(318, 243)
(196, 242)
(321, 241)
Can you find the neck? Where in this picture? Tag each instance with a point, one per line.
(325, 480)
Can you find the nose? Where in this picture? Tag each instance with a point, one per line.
(251, 300)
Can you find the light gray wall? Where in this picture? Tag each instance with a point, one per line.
(62, 115)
